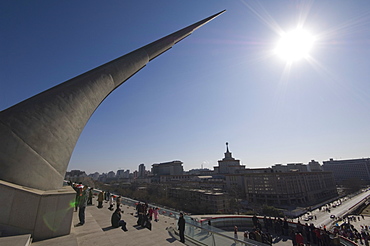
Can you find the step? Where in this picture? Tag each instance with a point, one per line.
(20, 240)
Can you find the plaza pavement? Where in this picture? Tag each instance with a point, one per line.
(97, 231)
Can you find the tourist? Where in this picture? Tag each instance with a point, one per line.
(181, 227)
(118, 201)
(245, 235)
(293, 237)
(82, 203)
(100, 199)
(145, 208)
(155, 212)
(313, 234)
(116, 220)
(111, 201)
(77, 188)
(235, 232)
(299, 227)
(150, 213)
(258, 235)
(307, 233)
(285, 227)
(299, 239)
(146, 222)
(252, 235)
(89, 201)
(209, 228)
(140, 213)
(254, 219)
(266, 223)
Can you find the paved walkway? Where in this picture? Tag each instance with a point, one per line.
(97, 231)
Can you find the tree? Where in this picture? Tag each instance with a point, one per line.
(272, 211)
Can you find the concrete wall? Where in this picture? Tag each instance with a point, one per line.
(44, 214)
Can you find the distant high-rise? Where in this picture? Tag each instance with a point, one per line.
(141, 171)
(111, 175)
(122, 174)
(168, 168)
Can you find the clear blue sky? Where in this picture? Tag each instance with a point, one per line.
(221, 84)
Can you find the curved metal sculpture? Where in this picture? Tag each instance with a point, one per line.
(39, 134)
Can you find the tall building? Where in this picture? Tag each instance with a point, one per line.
(168, 168)
(94, 176)
(228, 164)
(122, 174)
(348, 169)
(111, 175)
(141, 171)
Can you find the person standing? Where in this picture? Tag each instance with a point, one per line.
(155, 212)
(118, 201)
(181, 226)
(77, 188)
(246, 235)
(150, 213)
(140, 214)
(100, 199)
(89, 201)
(299, 239)
(235, 232)
(111, 201)
(82, 203)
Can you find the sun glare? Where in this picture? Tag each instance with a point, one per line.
(294, 45)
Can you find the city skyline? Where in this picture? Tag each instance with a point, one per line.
(222, 84)
(148, 167)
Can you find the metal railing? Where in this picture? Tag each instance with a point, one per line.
(204, 236)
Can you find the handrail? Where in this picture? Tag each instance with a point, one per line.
(247, 242)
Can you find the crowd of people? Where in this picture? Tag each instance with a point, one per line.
(347, 230)
(145, 215)
(84, 197)
(307, 234)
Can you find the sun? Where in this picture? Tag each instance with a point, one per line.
(295, 45)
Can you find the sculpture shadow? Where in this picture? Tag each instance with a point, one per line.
(108, 228)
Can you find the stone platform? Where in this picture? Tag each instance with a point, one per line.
(97, 231)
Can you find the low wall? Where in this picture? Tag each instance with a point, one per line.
(43, 214)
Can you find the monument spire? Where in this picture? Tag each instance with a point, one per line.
(228, 154)
(39, 134)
